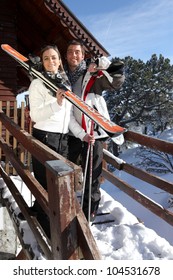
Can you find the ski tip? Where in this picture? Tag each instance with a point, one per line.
(3, 46)
(117, 133)
(14, 53)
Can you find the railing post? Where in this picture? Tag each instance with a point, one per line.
(63, 223)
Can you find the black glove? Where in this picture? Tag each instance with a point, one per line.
(34, 59)
(116, 68)
(35, 62)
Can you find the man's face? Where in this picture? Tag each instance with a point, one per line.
(74, 56)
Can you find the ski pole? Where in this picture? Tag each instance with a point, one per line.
(90, 172)
(85, 173)
(86, 164)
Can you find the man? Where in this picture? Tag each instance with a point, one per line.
(89, 84)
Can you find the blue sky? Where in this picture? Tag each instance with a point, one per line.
(137, 28)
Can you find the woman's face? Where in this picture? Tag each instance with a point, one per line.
(51, 61)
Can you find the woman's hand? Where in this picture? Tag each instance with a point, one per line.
(89, 138)
(60, 95)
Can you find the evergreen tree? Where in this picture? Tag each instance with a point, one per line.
(146, 96)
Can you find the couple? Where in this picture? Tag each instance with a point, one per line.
(60, 125)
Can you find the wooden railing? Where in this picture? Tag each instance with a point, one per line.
(19, 116)
(158, 182)
(67, 221)
(71, 237)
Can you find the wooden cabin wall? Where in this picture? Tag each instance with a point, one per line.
(8, 34)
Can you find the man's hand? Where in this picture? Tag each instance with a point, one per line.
(92, 68)
(89, 138)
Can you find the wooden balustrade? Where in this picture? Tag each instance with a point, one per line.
(71, 237)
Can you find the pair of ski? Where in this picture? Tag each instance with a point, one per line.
(108, 126)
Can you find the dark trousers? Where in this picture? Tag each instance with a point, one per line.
(77, 149)
(59, 143)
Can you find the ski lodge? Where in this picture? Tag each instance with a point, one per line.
(29, 25)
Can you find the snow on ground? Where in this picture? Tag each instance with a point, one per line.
(158, 195)
(127, 238)
(124, 239)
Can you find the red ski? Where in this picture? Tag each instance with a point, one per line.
(108, 126)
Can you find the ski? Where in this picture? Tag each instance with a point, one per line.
(109, 127)
(103, 218)
(103, 213)
(103, 222)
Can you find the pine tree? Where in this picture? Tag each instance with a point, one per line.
(146, 96)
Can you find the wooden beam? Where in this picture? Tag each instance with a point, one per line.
(150, 142)
(139, 173)
(139, 197)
